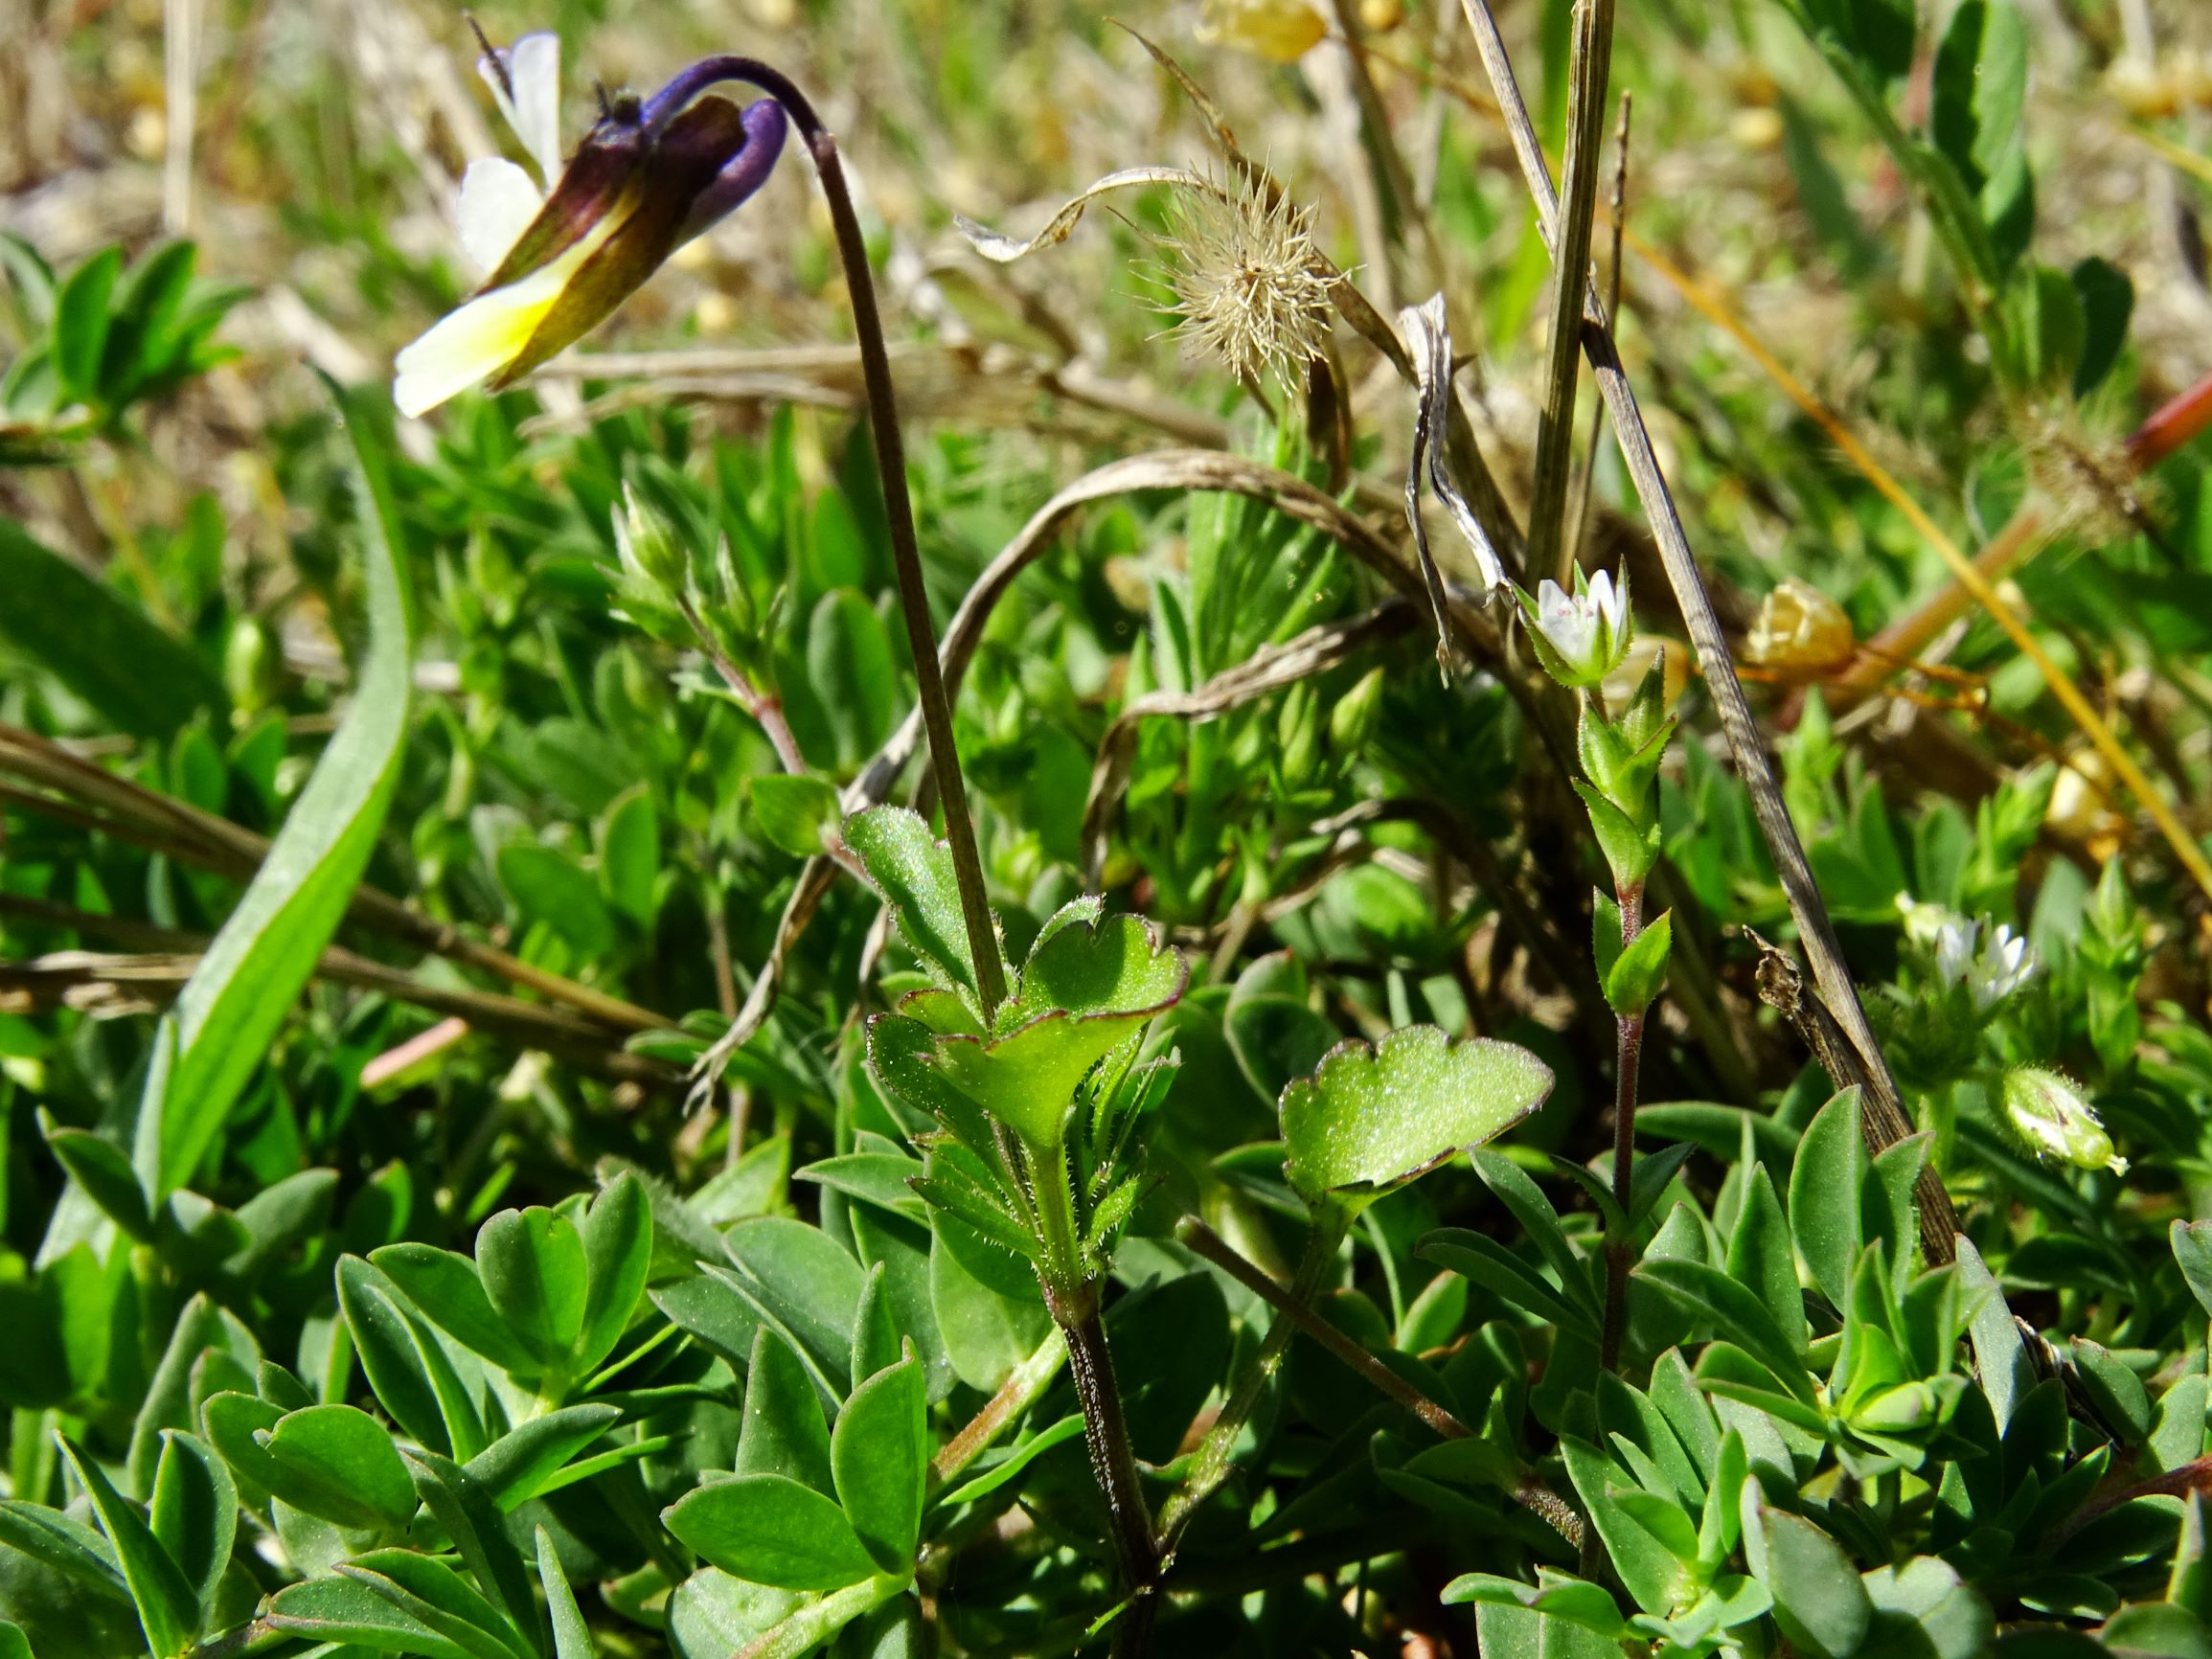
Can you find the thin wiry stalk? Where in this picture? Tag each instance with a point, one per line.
(1579, 518)
(1530, 1494)
(1738, 724)
(1550, 546)
(898, 505)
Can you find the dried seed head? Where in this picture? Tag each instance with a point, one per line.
(1801, 631)
(1249, 283)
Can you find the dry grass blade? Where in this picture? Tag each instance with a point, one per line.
(1316, 651)
(162, 960)
(65, 785)
(1882, 1119)
(1550, 547)
(1005, 249)
(1618, 213)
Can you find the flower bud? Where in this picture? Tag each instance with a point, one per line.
(1298, 734)
(1580, 637)
(648, 542)
(252, 666)
(1356, 716)
(2048, 1113)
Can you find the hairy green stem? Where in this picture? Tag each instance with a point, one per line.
(1628, 1053)
(1071, 1296)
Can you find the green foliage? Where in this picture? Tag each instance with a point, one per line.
(503, 1150)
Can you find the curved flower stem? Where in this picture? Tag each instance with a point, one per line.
(891, 462)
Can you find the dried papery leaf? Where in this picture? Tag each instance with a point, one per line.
(1169, 469)
(1316, 651)
(1005, 249)
(1210, 112)
(1434, 387)
(1429, 330)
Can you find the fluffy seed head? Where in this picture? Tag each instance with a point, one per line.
(1249, 281)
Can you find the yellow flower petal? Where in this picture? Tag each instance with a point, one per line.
(488, 332)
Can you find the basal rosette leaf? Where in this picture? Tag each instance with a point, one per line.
(1372, 1116)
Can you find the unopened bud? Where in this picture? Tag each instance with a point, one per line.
(648, 542)
(1298, 732)
(1356, 716)
(2048, 1113)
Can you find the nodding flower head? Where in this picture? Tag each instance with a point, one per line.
(1991, 973)
(1580, 637)
(1250, 286)
(649, 176)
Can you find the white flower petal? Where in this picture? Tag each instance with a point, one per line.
(534, 64)
(498, 200)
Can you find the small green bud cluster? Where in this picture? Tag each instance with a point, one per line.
(1581, 639)
(1309, 736)
(682, 598)
(1620, 758)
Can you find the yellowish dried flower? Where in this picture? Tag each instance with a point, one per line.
(1800, 631)
(1280, 31)
(1251, 288)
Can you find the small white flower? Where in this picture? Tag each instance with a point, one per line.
(1582, 636)
(1991, 973)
